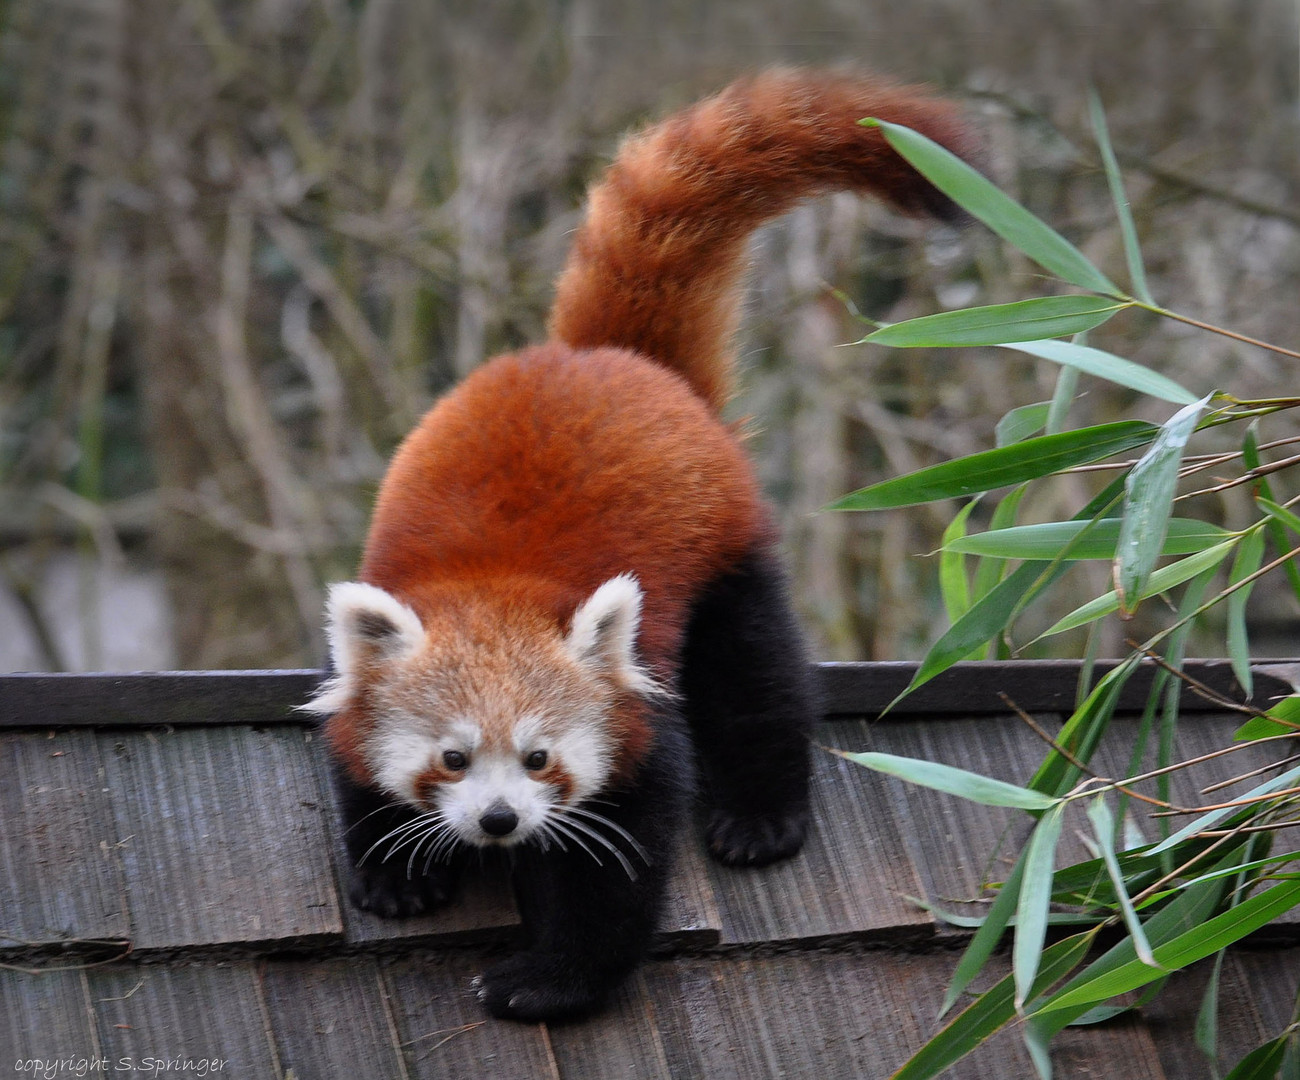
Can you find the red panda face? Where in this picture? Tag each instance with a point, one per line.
(496, 724)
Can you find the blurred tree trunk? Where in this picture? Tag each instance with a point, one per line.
(232, 511)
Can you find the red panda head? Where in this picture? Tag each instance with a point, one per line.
(493, 719)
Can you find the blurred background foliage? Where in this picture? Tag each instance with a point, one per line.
(244, 243)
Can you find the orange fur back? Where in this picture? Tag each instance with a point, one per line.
(546, 473)
(656, 265)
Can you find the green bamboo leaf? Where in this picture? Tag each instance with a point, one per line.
(1020, 423)
(986, 938)
(1081, 539)
(1195, 944)
(974, 922)
(1163, 579)
(954, 781)
(1249, 557)
(987, 617)
(1037, 1041)
(988, 572)
(1106, 366)
(1281, 719)
(1262, 1063)
(1206, 1031)
(991, 614)
(1083, 731)
(1099, 1014)
(1011, 221)
(1035, 901)
(1067, 384)
(1280, 519)
(1281, 514)
(1132, 252)
(999, 324)
(1277, 523)
(991, 1010)
(1148, 499)
(1185, 912)
(953, 584)
(1103, 824)
(1211, 818)
(1001, 467)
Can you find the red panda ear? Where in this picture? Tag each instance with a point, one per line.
(363, 624)
(602, 638)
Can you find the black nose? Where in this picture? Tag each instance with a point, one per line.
(498, 820)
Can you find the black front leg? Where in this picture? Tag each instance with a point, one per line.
(751, 703)
(590, 922)
(387, 852)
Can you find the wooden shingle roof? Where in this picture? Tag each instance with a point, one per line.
(171, 888)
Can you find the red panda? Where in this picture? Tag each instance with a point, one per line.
(569, 597)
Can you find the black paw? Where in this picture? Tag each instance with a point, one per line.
(385, 890)
(755, 839)
(537, 986)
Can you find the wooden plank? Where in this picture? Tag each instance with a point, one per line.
(1171, 1017)
(692, 917)
(1270, 980)
(188, 698)
(60, 869)
(975, 687)
(444, 1031)
(154, 698)
(331, 1019)
(956, 844)
(850, 878)
(160, 1017)
(1198, 736)
(223, 836)
(856, 1014)
(44, 1017)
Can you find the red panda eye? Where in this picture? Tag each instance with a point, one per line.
(536, 760)
(454, 760)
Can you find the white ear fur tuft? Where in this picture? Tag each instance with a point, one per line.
(603, 635)
(362, 622)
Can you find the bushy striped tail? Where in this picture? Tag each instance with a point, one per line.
(656, 265)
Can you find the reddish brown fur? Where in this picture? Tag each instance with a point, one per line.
(550, 471)
(655, 267)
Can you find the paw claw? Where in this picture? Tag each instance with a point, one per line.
(392, 895)
(536, 987)
(755, 840)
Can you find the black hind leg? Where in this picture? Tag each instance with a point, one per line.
(751, 701)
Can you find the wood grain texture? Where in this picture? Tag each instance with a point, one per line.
(833, 1015)
(445, 1033)
(44, 1016)
(183, 1011)
(332, 1018)
(60, 866)
(152, 698)
(851, 876)
(958, 845)
(223, 836)
(1171, 1017)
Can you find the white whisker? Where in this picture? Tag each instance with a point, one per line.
(547, 834)
(432, 832)
(601, 819)
(576, 824)
(573, 835)
(403, 832)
